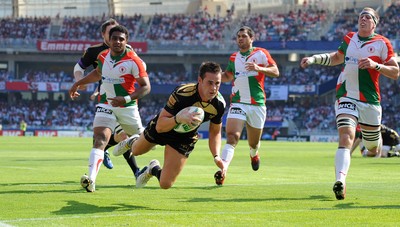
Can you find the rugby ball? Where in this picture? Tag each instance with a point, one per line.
(184, 128)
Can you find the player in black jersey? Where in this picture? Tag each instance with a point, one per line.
(160, 130)
(390, 144)
(88, 59)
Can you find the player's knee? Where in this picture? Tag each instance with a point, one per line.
(166, 184)
(99, 140)
(255, 146)
(232, 138)
(371, 138)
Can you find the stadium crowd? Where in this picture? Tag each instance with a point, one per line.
(292, 26)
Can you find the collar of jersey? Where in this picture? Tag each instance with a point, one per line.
(366, 38)
(247, 53)
(117, 58)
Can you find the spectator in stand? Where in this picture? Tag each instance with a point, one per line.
(365, 55)
(23, 126)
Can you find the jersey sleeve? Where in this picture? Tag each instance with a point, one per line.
(231, 64)
(172, 105)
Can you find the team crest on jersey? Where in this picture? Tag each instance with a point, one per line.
(371, 49)
(122, 69)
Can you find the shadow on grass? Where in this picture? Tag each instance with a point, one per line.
(344, 206)
(75, 207)
(37, 187)
(316, 197)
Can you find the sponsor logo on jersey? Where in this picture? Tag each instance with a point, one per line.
(347, 105)
(351, 60)
(100, 109)
(245, 74)
(236, 111)
(109, 80)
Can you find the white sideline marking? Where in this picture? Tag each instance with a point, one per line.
(4, 224)
(17, 167)
(167, 213)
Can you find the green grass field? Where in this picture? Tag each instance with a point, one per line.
(40, 187)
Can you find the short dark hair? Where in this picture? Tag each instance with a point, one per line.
(209, 67)
(119, 28)
(248, 30)
(108, 23)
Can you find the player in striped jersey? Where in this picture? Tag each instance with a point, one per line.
(247, 70)
(365, 56)
(89, 58)
(120, 69)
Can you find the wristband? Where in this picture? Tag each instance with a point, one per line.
(127, 98)
(216, 156)
(378, 67)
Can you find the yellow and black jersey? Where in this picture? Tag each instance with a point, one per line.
(184, 96)
(187, 95)
(389, 136)
(90, 56)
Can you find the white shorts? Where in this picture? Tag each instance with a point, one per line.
(366, 113)
(254, 115)
(109, 117)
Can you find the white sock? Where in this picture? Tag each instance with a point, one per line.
(95, 160)
(253, 152)
(342, 164)
(227, 153)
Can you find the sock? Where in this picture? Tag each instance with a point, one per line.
(342, 164)
(111, 142)
(227, 153)
(131, 161)
(95, 160)
(253, 152)
(156, 171)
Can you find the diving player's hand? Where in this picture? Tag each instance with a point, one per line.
(185, 117)
(220, 163)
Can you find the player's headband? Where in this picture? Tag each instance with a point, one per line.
(370, 14)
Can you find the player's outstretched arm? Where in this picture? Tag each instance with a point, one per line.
(93, 76)
(214, 143)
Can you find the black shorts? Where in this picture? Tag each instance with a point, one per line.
(181, 142)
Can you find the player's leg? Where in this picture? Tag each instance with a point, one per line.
(253, 138)
(103, 122)
(117, 136)
(370, 122)
(100, 135)
(256, 116)
(141, 146)
(372, 140)
(131, 123)
(173, 165)
(346, 122)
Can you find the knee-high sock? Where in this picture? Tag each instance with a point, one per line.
(95, 160)
(111, 142)
(227, 153)
(130, 159)
(342, 164)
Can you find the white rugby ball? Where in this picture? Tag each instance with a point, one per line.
(184, 128)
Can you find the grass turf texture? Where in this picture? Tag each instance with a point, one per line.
(40, 187)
